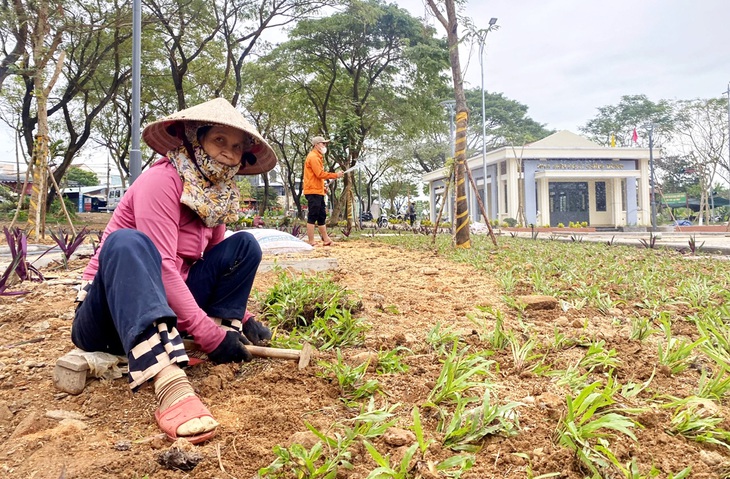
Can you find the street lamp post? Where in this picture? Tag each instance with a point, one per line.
(359, 189)
(651, 177)
(727, 92)
(450, 105)
(482, 39)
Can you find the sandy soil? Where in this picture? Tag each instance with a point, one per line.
(110, 433)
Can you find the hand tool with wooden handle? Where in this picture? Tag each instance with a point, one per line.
(303, 356)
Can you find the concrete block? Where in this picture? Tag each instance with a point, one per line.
(72, 371)
(70, 374)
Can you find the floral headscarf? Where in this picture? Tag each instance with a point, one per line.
(208, 186)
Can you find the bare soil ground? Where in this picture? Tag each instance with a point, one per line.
(110, 433)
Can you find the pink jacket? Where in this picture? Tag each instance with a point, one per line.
(152, 206)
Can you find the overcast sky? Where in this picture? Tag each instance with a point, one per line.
(566, 58)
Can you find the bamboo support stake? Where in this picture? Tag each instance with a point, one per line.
(60, 198)
(479, 201)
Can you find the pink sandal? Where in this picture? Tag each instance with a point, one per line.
(181, 412)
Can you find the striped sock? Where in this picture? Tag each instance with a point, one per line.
(171, 388)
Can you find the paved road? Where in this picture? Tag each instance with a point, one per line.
(40, 255)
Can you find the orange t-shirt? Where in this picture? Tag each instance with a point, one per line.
(314, 174)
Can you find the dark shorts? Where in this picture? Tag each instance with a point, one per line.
(316, 212)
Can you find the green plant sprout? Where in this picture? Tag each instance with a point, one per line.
(530, 473)
(389, 362)
(676, 354)
(630, 390)
(439, 337)
(582, 430)
(458, 375)
(598, 357)
(351, 379)
(694, 421)
(641, 328)
(521, 353)
(497, 338)
(387, 471)
(297, 461)
(468, 427)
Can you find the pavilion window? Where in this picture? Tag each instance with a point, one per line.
(600, 195)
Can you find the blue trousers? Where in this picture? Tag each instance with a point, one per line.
(127, 300)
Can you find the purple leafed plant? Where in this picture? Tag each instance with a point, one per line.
(5, 278)
(18, 246)
(68, 243)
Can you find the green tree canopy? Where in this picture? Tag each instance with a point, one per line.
(632, 112)
(79, 176)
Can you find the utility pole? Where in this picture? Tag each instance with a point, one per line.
(135, 154)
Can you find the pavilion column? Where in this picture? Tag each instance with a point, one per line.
(617, 203)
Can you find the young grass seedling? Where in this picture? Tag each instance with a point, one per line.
(693, 421)
(389, 362)
(676, 354)
(455, 466)
(497, 338)
(508, 281)
(573, 377)
(630, 390)
(516, 304)
(528, 470)
(417, 429)
(351, 380)
(561, 341)
(302, 463)
(598, 357)
(468, 427)
(582, 430)
(714, 386)
(439, 337)
(521, 353)
(458, 375)
(296, 301)
(385, 469)
(641, 328)
(371, 422)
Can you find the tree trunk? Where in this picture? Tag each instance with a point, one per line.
(450, 23)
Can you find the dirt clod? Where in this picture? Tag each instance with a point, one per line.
(182, 456)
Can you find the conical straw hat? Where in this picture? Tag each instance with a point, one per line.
(161, 138)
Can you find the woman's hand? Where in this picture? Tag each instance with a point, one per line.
(231, 350)
(255, 331)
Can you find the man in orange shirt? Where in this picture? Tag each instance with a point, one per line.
(314, 176)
